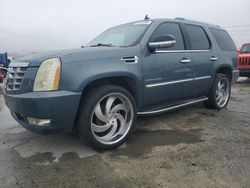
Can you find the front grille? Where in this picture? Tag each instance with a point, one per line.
(244, 62)
(15, 75)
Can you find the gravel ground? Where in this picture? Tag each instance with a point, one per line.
(191, 147)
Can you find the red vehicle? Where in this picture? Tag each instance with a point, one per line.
(244, 60)
(3, 72)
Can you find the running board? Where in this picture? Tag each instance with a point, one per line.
(171, 108)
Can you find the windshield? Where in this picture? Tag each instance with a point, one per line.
(245, 48)
(122, 36)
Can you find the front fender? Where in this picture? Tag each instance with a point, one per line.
(76, 76)
(107, 75)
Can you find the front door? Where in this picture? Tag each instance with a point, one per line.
(168, 72)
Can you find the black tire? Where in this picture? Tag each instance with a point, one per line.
(86, 110)
(211, 102)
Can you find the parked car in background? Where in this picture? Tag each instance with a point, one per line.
(4, 63)
(140, 68)
(244, 60)
(3, 72)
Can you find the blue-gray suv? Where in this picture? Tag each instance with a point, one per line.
(140, 68)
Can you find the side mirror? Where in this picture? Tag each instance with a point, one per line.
(165, 41)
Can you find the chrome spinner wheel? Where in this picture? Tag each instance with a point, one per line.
(112, 118)
(222, 92)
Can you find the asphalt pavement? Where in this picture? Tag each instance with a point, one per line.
(190, 147)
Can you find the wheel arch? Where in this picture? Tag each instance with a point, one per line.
(126, 80)
(225, 69)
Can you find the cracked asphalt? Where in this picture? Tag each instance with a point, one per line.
(190, 147)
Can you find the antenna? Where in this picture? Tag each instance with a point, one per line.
(146, 17)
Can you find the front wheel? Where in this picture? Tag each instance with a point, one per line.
(106, 117)
(220, 92)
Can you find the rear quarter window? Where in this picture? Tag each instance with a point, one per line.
(223, 39)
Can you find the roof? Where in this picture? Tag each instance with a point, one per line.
(184, 20)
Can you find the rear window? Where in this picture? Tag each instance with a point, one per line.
(198, 38)
(223, 39)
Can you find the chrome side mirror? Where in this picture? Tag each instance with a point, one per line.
(165, 41)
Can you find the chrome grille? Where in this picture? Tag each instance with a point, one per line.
(15, 75)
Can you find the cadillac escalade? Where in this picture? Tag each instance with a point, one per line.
(140, 68)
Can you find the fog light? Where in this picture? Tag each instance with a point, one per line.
(39, 122)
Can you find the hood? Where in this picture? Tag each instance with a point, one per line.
(80, 54)
(244, 54)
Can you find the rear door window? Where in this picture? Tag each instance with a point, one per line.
(170, 29)
(198, 37)
(223, 39)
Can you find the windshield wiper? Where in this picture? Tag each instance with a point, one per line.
(102, 44)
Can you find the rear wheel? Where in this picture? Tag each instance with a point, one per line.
(220, 92)
(106, 117)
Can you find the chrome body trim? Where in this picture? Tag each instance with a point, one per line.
(128, 59)
(163, 44)
(213, 58)
(202, 78)
(172, 107)
(168, 83)
(19, 64)
(180, 51)
(185, 61)
(177, 81)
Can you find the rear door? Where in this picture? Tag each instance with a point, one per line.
(203, 56)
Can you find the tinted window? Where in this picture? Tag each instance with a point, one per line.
(223, 39)
(170, 29)
(198, 38)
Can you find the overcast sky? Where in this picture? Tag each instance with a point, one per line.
(40, 25)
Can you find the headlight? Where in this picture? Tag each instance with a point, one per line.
(48, 75)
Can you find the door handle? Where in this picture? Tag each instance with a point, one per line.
(213, 58)
(185, 61)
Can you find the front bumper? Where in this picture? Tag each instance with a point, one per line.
(59, 106)
(245, 72)
(235, 75)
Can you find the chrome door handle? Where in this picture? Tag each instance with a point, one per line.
(185, 61)
(213, 58)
